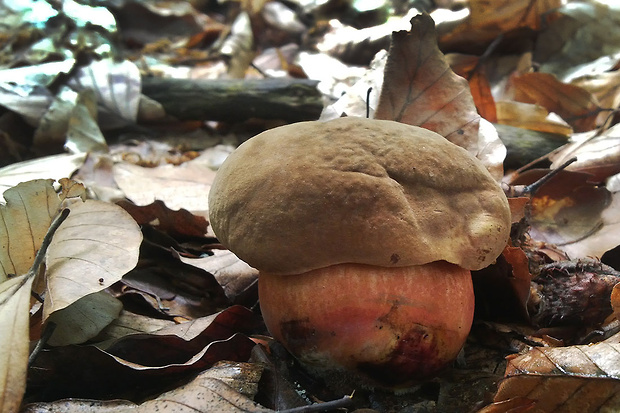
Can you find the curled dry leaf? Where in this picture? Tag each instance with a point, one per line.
(568, 211)
(14, 341)
(565, 379)
(421, 89)
(174, 223)
(96, 245)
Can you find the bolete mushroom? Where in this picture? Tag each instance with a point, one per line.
(364, 233)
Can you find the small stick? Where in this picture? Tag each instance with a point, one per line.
(532, 188)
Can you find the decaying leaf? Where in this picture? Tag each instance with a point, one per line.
(14, 340)
(565, 379)
(420, 89)
(236, 277)
(95, 246)
(24, 221)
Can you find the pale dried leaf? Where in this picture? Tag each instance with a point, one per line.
(597, 154)
(207, 393)
(83, 134)
(185, 186)
(49, 167)
(363, 96)
(14, 341)
(585, 39)
(24, 221)
(117, 87)
(84, 319)
(93, 248)
(132, 323)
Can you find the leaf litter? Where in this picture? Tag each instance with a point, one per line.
(145, 297)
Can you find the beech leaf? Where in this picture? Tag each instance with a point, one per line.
(24, 221)
(14, 340)
(84, 319)
(421, 89)
(96, 245)
(586, 378)
(49, 167)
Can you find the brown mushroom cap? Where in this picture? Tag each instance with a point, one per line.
(353, 190)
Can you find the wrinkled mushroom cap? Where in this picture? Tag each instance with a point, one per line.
(352, 190)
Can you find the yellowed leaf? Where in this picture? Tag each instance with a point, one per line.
(93, 248)
(24, 221)
(14, 341)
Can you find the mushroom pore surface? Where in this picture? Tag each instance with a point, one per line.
(352, 190)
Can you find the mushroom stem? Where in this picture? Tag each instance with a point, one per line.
(391, 326)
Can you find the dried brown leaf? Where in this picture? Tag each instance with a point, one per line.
(489, 19)
(421, 89)
(565, 379)
(574, 104)
(530, 116)
(175, 223)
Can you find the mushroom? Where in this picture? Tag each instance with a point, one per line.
(364, 233)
